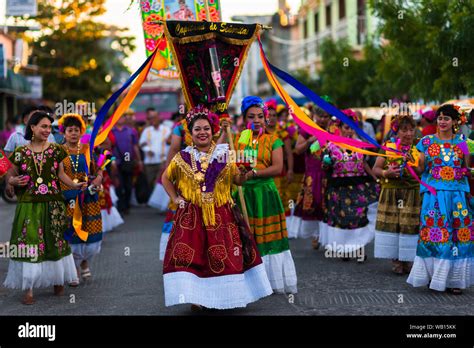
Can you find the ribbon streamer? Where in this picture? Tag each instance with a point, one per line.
(312, 128)
(98, 138)
(308, 124)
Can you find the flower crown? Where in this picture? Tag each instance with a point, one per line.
(201, 110)
(395, 124)
(349, 113)
(76, 116)
(271, 104)
(462, 115)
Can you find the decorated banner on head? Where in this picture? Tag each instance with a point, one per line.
(210, 57)
(155, 11)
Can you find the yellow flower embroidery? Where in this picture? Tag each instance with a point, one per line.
(459, 205)
(464, 212)
(456, 214)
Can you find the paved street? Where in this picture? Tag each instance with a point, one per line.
(133, 285)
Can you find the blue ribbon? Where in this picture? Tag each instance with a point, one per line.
(104, 110)
(330, 109)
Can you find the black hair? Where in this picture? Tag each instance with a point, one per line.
(150, 109)
(46, 109)
(406, 121)
(199, 117)
(448, 110)
(34, 120)
(71, 122)
(28, 110)
(31, 108)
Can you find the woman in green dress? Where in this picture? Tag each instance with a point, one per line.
(265, 209)
(39, 255)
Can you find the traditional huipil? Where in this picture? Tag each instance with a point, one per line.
(75, 166)
(204, 262)
(40, 222)
(181, 131)
(267, 216)
(309, 206)
(444, 256)
(346, 226)
(398, 215)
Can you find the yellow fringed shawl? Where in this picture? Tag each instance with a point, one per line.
(181, 174)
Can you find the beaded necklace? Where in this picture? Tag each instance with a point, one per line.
(75, 164)
(446, 154)
(199, 175)
(39, 179)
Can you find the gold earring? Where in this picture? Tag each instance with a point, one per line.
(33, 137)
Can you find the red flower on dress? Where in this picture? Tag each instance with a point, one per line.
(447, 145)
(458, 151)
(456, 223)
(430, 222)
(434, 150)
(438, 160)
(467, 221)
(457, 163)
(440, 222)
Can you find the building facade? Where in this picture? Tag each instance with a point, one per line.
(319, 20)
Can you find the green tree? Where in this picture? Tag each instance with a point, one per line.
(352, 80)
(430, 46)
(305, 78)
(78, 57)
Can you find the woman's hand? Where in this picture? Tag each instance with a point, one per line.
(242, 170)
(19, 180)
(97, 181)
(224, 125)
(392, 172)
(249, 175)
(312, 139)
(79, 185)
(179, 201)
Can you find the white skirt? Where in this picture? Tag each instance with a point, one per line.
(26, 275)
(110, 220)
(299, 228)
(441, 273)
(85, 251)
(281, 272)
(334, 238)
(223, 292)
(113, 195)
(159, 199)
(389, 245)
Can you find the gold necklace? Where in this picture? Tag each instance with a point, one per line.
(199, 175)
(39, 179)
(75, 164)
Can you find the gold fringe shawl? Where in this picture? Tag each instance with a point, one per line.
(181, 174)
